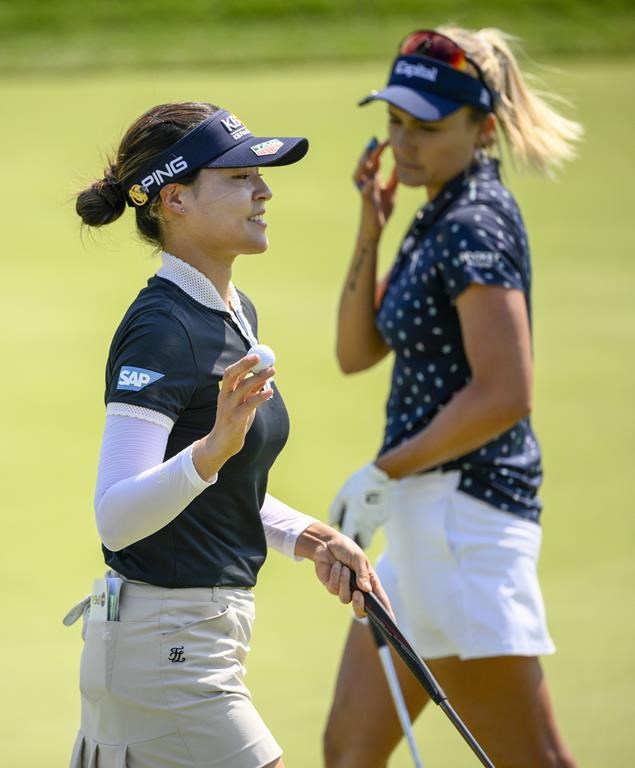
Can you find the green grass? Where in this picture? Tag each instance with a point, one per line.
(40, 35)
(60, 299)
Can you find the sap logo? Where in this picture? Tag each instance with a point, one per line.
(231, 123)
(135, 379)
(416, 70)
(485, 98)
(167, 172)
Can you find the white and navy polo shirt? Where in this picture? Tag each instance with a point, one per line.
(168, 357)
(472, 232)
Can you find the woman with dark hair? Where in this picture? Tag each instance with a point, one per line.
(456, 479)
(194, 422)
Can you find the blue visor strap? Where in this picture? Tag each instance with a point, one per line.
(203, 144)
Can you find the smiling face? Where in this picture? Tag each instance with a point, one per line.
(430, 154)
(222, 212)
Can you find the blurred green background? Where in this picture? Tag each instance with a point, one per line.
(72, 77)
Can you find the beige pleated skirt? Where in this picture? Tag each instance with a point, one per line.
(164, 686)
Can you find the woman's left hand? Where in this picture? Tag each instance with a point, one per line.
(335, 558)
(378, 196)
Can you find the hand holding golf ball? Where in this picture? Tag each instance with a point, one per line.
(266, 355)
(240, 395)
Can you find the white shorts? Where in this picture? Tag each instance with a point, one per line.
(163, 686)
(461, 574)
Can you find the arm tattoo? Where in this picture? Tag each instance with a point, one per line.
(355, 269)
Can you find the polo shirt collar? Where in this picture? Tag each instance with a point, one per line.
(483, 168)
(195, 284)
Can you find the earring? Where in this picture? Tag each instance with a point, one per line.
(182, 210)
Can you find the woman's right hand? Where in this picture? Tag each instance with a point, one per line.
(239, 395)
(378, 199)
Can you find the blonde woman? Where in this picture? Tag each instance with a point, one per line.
(456, 479)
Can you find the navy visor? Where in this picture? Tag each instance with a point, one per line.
(220, 141)
(431, 90)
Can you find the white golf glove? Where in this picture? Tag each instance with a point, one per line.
(363, 504)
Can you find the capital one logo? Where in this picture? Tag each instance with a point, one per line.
(417, 70)
(136, 379)
(169, 170)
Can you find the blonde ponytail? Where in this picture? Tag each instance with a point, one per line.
(536, 134)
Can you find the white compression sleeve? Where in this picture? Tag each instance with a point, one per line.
(137, 492)
(283, 525)
(133, 476)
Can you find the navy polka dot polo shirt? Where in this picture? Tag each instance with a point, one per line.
(472, 232)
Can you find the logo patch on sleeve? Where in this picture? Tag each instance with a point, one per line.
(136, 379)
(480, 259)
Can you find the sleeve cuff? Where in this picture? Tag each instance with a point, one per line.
(191, 472)
(291, 537)
(283, 524)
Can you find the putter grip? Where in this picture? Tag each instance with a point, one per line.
(381, 620)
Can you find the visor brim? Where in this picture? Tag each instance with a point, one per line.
(429, 108)
(253, 152)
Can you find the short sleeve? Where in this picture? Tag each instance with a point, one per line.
(478, 252)
(152, 365)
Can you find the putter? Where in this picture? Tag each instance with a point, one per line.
(395, 691)
(380, 618)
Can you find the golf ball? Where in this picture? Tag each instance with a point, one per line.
(266, 355)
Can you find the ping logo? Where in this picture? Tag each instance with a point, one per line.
(135, 379)
(267, 147)
(157, 176)
(416, 70)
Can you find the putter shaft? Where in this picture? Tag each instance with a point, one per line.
(380, 618)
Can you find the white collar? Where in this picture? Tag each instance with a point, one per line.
(201, 289)
(195, 284)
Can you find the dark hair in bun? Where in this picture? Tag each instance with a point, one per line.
(104, 201)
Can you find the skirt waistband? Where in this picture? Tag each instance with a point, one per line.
(157, 592)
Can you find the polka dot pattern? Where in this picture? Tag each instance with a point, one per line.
(470, 233)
